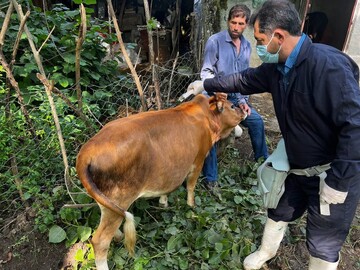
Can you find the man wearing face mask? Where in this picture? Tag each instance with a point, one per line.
(227, 52)
(316, 96)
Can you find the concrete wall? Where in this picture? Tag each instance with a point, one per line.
(353, 48)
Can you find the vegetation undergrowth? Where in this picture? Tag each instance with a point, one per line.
(216, 234)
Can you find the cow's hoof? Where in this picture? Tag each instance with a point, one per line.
(163, 201)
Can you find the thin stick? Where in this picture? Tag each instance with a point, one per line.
(171, 77)
(42, 45)
(80, 41)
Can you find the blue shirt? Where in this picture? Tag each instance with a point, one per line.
(290, 62)
(221, 58)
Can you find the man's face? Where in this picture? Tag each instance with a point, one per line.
(263, 39)
(236, 27)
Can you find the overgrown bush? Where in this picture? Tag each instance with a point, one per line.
(216, 234)
(34, 160)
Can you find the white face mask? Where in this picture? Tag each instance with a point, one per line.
(266, 56)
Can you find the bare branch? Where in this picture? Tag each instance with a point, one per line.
(18, 37)
(6, 23)
(80, 40)
(155, 75)
(126, 56)
(48, 92)
(42, 45)
(79, 205)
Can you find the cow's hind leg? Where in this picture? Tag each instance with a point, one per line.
(190, 185)
(109, 224)
(163, 201)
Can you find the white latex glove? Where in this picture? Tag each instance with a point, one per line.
(330, 195)
(194, 88)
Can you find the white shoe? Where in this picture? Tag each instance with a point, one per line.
(273, 234)
(317, 264)
(238, 131)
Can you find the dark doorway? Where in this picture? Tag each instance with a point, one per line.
(338, 15)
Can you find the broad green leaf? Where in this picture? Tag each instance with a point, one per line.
(72, 236)
(84, 233)
(214, 237)
(173, 241)
(79, 256)
(69, 58)
(90, 2)
(56, 234)
(172, 230)
(215, 259)
(183, 264)
(218, 247)
(238, 199)
(64, 82)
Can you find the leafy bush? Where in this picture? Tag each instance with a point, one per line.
(216, 234)
(38, 159)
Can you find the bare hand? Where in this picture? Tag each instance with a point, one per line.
(220, 96)
(245, 108)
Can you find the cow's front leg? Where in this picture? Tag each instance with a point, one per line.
(163, 201)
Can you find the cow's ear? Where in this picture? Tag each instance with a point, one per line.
(220, 106)
(212, 99)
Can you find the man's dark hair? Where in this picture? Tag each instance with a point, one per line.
(241, 11)
(277, 14)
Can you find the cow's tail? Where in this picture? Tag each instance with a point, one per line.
(130, 233)
(97, 195)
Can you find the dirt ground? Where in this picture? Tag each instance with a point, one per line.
(23, 248)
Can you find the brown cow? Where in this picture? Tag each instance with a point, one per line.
(149, 154)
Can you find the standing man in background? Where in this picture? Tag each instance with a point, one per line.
(228, 52)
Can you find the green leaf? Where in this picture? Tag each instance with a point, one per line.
(173, 241)
(214, 237)
(91, 253)
(79, 256)
(69, 58)
(218, 247)
(172, 230)
(64, 82)
(95, 76)
(183, 264)
(90, 2)
(238, 199)
(84, 233)
(56, 234)
(72, 236)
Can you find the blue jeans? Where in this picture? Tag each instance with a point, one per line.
(256, 130)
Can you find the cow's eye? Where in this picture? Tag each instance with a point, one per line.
(233, 106)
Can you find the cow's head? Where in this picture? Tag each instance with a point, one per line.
(227, 115)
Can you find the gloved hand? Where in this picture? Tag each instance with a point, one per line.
(330, 195)
(194, 89)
